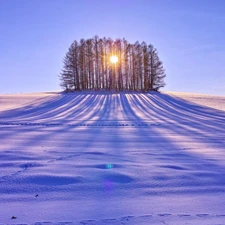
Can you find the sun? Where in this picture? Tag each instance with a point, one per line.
(114, 59)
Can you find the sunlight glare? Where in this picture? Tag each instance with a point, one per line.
(114, 59)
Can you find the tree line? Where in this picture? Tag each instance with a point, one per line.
(87, 66)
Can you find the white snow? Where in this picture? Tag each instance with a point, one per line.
(119, 158)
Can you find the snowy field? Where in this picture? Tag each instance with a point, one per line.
(96, 159)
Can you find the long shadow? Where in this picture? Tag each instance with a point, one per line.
(178, 117)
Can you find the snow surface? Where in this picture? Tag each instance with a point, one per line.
(119, 158)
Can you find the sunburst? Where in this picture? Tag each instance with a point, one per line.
(114, 59)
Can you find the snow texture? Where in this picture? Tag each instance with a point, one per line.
(112, 158)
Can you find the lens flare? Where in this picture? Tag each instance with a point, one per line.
(109, 166)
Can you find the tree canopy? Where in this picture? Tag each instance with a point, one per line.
(106, 64)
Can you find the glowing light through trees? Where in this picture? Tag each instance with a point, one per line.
(114, 59)
(106, 64)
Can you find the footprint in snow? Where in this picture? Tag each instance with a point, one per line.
(202, 215)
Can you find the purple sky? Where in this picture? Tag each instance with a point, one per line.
(189, 36)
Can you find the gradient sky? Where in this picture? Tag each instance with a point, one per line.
(36, 34)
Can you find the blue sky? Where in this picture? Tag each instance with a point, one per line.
(189, 36)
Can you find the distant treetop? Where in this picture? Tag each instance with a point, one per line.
(106, 64)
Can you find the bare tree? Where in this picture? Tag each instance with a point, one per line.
(87, 66)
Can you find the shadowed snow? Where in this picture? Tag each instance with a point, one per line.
(96, 156)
